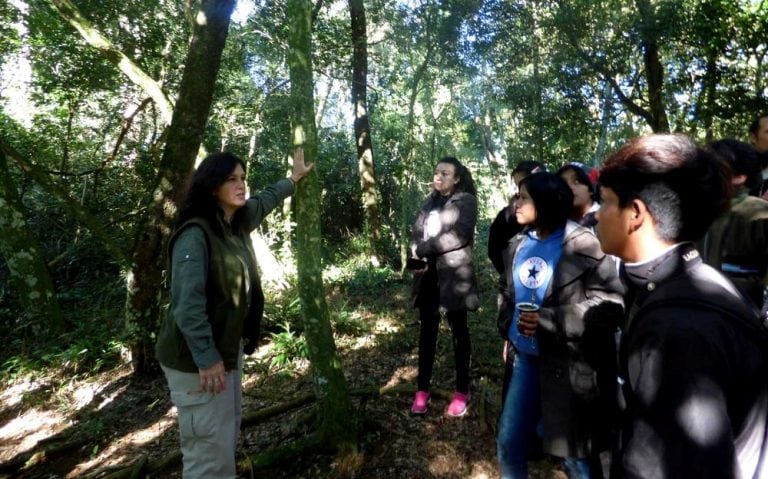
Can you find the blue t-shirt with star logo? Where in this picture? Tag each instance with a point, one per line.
(534, 264)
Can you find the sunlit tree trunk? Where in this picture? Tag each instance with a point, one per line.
(337, 423)
(363, 141)
(23, 256)
(406, 171)
(605, 118)
(654, 70)
(185, 134)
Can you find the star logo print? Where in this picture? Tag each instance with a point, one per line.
(532, 272)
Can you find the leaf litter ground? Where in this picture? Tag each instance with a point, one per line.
(101, 423)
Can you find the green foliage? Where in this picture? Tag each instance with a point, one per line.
(369, 282)
(85, 350)
(348, 322)
(287, 346)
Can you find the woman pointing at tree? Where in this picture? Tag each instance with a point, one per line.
(216, 304)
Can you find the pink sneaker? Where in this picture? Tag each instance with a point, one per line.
(458, 406)
(420, 402)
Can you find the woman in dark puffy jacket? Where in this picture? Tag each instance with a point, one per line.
(562, 302)
(444, 276)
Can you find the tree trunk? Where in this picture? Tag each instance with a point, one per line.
(28, 274)
(366, 165)
(406, 171)
(605, 119)
(337, 423)
(710, 94)
(74, 205)
(654, 70)
(184, 138)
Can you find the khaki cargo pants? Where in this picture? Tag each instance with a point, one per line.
(209, 424)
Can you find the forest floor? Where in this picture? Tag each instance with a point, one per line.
(88, 426)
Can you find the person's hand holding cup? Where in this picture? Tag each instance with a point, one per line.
(528, 318)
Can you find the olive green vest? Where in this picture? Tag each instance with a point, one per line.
(231, 271)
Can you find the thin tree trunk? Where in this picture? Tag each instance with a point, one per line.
(710, 94)
(366, 165)
(604, 123)
(539, 118)
(406, 171)
(654, 70)
(184, 138)
(24, 258)
(337, 423)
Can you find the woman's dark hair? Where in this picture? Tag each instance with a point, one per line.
(743, 160)
(552, 198)
(199, 200)
(466, 183)
(683, 186)
(581, 177)
(529, 167)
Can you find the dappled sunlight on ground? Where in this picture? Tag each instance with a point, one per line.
(122, 450)
(403, 374)
(26, 430)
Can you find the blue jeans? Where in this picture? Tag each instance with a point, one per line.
(520, 419)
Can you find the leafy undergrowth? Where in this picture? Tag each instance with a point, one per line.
(106, 420)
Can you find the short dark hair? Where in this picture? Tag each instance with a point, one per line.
(755, 125)
(528, 167)
(683, 186)
(743, 160)
(552, 198)
(199, 200)
(581, 177)
(466, 183)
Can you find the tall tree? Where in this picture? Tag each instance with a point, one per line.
(185, 134)
(337, 423)
(363, 141)
(654, 70)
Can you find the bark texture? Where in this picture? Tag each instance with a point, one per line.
(337, 424)
(24, 258)
(185, 135)
(366, 165)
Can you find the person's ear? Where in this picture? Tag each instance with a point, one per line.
(638, 213)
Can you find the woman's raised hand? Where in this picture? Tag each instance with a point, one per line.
(300, 169)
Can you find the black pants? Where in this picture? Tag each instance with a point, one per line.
(430, 325)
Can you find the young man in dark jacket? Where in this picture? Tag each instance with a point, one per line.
(693, 352)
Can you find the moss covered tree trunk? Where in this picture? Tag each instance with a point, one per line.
(366, 165)
(337, 423)
(185, 134)
(28, 273)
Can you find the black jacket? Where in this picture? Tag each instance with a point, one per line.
(446, 252)
(695, 374)
(503, 228)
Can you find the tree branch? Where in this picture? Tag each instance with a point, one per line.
(94, 38)
(88, 220)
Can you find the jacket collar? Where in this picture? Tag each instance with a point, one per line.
(673, 262)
